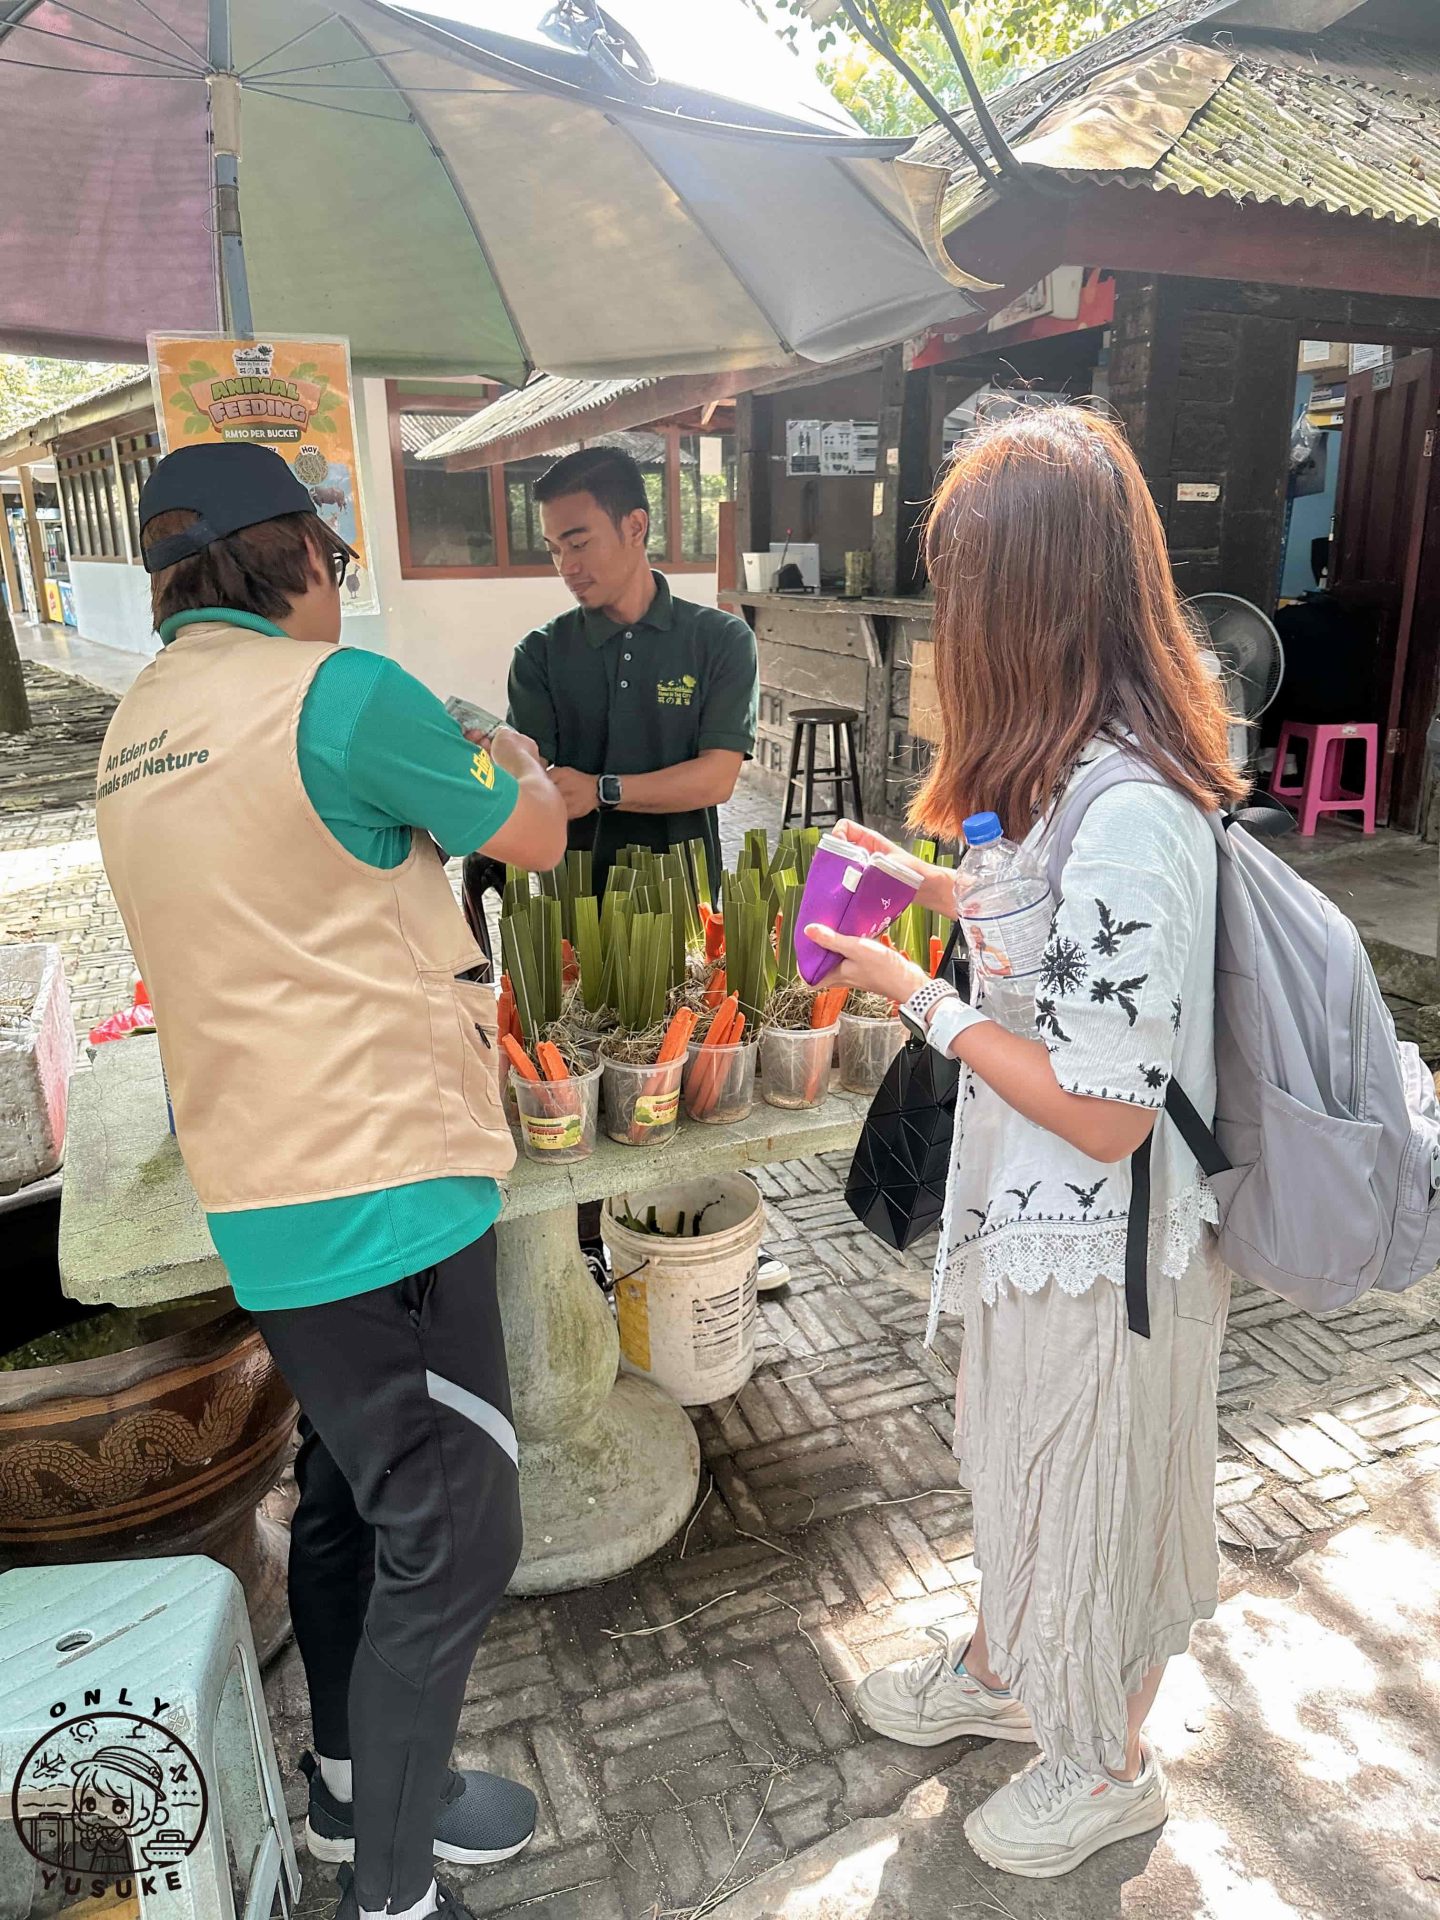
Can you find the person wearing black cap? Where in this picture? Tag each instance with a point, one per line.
(271, 809)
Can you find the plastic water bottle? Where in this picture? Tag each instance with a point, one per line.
(1005, 911)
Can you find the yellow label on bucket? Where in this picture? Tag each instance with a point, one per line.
(632, 1310)
(657, 1109)
(547, 1134)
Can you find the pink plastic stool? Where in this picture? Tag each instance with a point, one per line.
(1319, 789)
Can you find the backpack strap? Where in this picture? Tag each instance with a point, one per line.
(1117, 770)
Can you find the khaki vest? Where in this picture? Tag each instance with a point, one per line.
(316, 1035)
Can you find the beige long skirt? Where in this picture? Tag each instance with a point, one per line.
(1090, 1456)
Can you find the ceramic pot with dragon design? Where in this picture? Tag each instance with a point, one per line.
(166, 1447)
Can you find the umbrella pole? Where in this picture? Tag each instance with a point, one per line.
(225, 148)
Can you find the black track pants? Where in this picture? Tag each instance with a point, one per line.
(406, 1535)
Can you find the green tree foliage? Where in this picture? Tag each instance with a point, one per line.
(29, 389)
(1001, 38)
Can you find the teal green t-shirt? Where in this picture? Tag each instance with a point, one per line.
(378, 755)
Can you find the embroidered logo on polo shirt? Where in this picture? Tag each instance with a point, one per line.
(676, 693)
(482, 768)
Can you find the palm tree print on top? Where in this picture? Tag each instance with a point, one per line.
(1113, 931)
(1122, 992)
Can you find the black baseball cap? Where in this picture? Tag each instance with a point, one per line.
(233, 484)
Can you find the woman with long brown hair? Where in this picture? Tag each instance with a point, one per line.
(1089, 1449)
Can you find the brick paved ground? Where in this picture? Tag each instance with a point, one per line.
(686, 1727)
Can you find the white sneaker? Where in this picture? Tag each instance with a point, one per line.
(1056, 1814)
(931, 1699)
(771, 1273)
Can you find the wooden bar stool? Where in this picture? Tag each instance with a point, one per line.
(844, 765)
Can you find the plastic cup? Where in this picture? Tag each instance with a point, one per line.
(795, 1065)
(558, 1119)
(642, 1104)
(866, 1049)
(720, 1084)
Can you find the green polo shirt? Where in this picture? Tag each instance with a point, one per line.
(378, 753)
(609, 698)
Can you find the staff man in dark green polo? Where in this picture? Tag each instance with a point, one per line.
(644, 703)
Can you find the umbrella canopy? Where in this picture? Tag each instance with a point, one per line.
(449, 207)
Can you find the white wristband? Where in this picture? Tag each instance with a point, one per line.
(950, 1019)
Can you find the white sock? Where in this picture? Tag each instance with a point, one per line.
(337, 1776)
(429, 1904)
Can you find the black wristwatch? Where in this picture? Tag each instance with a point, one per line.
(607, 792)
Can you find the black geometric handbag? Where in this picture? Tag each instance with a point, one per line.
(897, 1178)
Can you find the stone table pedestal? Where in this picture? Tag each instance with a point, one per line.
(609, 1465)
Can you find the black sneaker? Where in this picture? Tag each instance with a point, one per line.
(449, 1904)
(483, 1818)
(329, 1822)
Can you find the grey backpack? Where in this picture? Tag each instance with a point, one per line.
(1325, 1153)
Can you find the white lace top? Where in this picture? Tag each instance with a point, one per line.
(1126, 1001)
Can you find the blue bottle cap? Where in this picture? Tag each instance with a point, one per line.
(981, 828)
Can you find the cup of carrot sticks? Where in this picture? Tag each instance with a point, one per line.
(557, 1101)
(720, 1074)
(798, 1046)
(642, 1094)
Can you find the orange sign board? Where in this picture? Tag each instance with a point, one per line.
(294, 394)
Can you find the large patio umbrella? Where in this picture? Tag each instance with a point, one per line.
(351, 167)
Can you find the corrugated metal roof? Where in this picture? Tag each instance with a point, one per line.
(549, 400)
(418, 429)
(53, 422)
(1338, 121)
(1279, 133)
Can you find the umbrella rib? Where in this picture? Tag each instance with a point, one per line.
(465, 207)
(318, 66)
(332, 106)
(361, 86)
(96, 73)
(295, 38)
(121, 53)
(174, 32)
(759, 305)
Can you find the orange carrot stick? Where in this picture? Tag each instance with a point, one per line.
(518, 1058)
(715, 992)
(677, 1036)
(552, 1065)
(937, 950)
(714, 935)
(569, 965)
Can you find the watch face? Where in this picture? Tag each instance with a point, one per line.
(609, 790)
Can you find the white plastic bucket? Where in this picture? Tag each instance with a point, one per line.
(687, 1307)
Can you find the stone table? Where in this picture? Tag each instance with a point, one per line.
(609, 1465)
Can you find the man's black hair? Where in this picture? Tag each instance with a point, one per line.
(607, 474)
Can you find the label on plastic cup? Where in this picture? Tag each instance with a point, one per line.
(550, 1135)
(657, 1109)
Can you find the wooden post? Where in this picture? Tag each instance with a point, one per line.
(885, 513)
(9, 563)
(754, 432)
(921, 440)
(14, 705)
(41, 608)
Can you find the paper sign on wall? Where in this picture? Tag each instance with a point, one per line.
(292, 393)
(1196, 492)
(831, 448)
